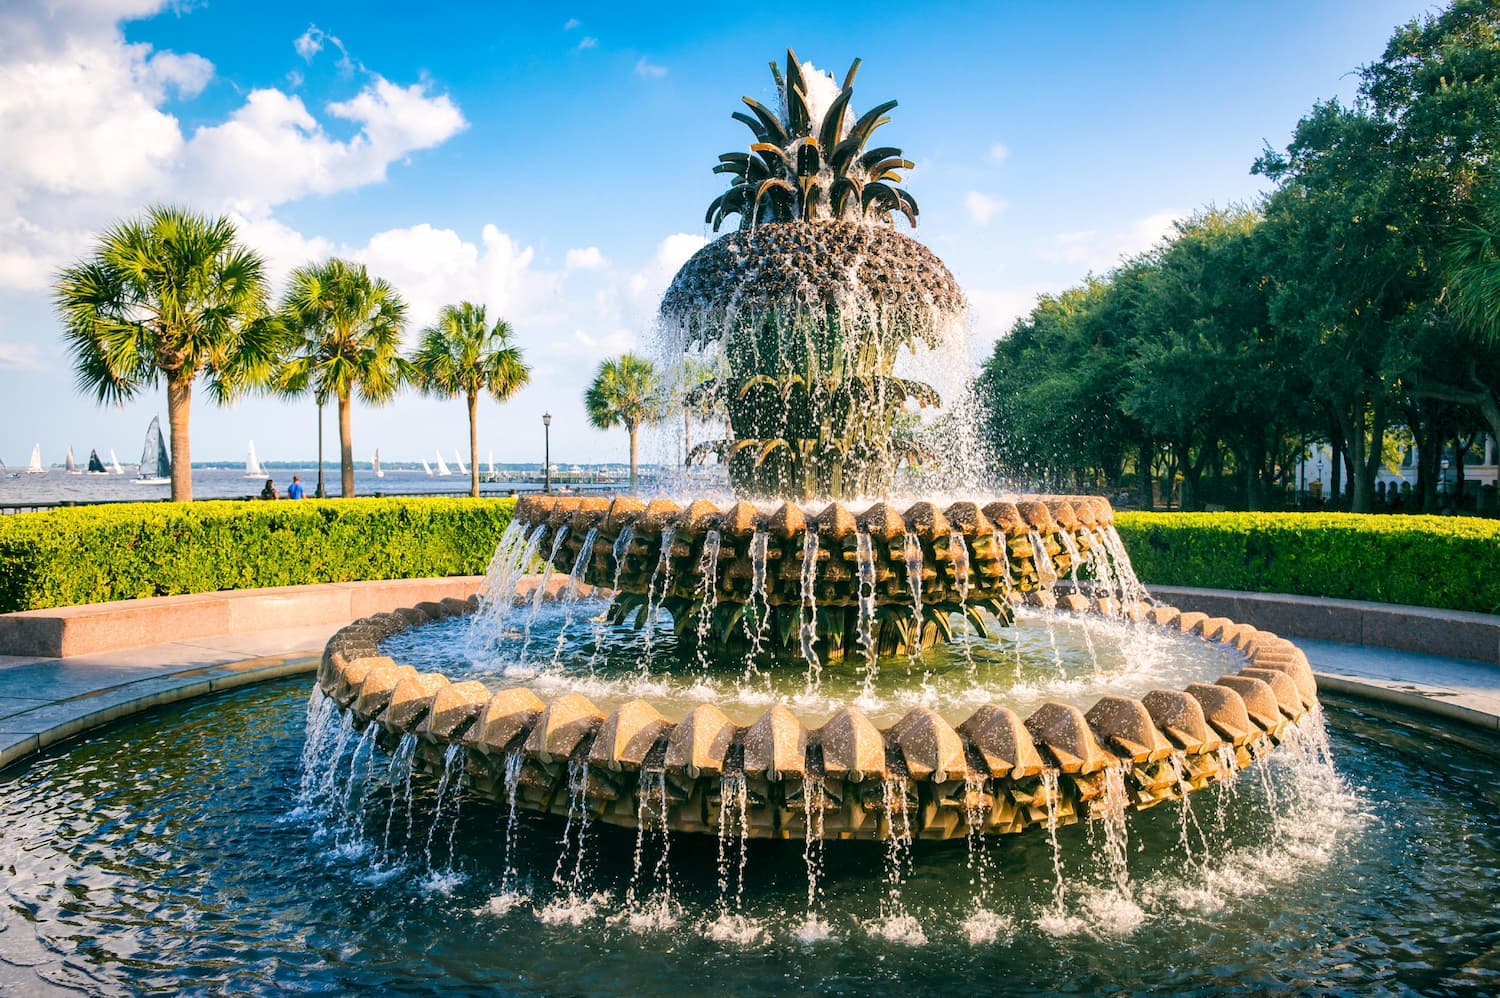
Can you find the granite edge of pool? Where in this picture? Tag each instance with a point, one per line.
(83, 637)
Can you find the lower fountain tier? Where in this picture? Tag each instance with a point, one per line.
(886, 579)
(994, 773)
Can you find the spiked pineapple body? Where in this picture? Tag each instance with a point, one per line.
(811, 318)
(813, 298)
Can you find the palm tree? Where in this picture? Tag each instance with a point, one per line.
(168, 297)
(625, 390)
(461, 355)
(344, 335)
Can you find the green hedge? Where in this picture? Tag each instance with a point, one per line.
(1449, 562)
(92, 554)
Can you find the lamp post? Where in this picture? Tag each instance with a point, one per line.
(318, 493)
(547, 452)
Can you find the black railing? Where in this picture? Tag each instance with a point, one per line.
(500, 492)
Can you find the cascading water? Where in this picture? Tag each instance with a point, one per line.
(865, 558)
(808, 609)
(571, 591)
(708, 574)
(813, 317)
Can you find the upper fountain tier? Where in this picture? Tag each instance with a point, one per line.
(812, 301)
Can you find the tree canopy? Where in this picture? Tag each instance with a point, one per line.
(1355, 304)
(170, 297)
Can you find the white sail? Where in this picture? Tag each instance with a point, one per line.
(156, 464)
(462, 470)
(252, 465)
(492, 464)
(70, 465)
(376, 463)
(442, 466)
(35, 467)
(114, 463)
(426, 467)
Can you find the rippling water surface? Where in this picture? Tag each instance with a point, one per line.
(1046, 656)
(169, 854)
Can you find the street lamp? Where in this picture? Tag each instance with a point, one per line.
(547, 452)
(318, 493)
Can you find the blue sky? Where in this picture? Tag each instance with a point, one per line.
(555, 163)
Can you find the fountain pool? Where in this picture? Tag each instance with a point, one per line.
(165, 854)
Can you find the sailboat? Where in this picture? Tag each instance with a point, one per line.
(493, 476)
(70, 465)
(376, 462)
(96, 466)
(252, 465)
(442, 471)
(156, 465)
(461, 469)
(427, 468)
(114, 463)
(35, 467)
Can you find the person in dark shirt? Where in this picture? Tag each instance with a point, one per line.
(269, 492)
(294, 490)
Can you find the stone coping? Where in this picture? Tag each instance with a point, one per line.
(28, 731)
(920, 777)
(1446, 633)
(70, 631)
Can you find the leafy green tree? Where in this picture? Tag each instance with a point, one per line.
(1472, 263)
(1345, 274)
(1052, 386)
(1368, 198)
(167, 298)
(343, 336)
(463, 355)
(1206, 375)
(626, 391)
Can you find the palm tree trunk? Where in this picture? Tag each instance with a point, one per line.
(473, 446)
(633, 474)
(179, 403)
(346, 450)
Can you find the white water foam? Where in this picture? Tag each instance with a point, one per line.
(983, 927)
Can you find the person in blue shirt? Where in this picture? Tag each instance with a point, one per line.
(294, 490)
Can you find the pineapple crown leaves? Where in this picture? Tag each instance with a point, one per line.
(806, 167)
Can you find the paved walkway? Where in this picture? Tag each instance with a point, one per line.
(44, 700)
(1455, 688)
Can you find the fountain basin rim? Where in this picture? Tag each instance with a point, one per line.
(1239, 717)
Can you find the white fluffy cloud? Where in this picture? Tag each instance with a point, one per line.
(982, 207)
(435, 267)
(588, 258)
(999, 152)
(1100, 251)
(89, 133)
(273, 150)
(650, 70)
(20, 357)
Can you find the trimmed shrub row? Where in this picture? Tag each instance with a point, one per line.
(1447, 562)
(101, 553)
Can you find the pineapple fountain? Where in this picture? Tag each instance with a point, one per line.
(807, 310)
